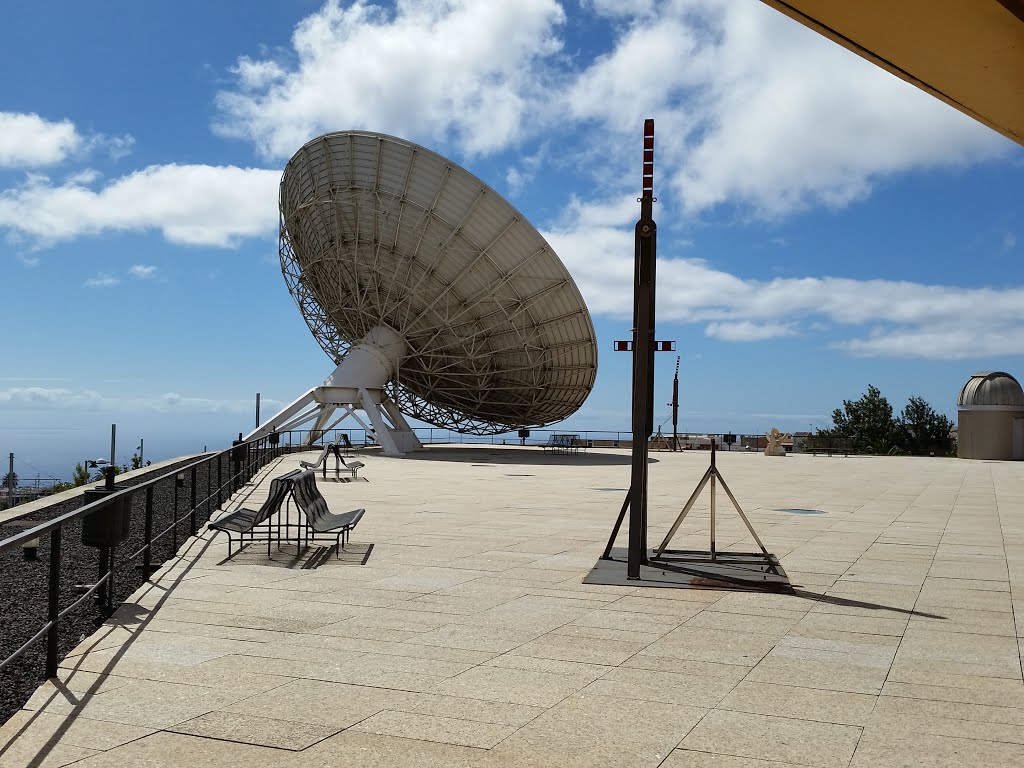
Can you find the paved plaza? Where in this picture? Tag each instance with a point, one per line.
(467, 637)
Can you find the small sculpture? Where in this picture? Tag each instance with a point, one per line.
(775, 439)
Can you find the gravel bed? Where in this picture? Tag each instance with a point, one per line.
(23, 583)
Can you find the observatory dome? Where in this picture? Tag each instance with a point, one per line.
(991, 389)
(990, 417)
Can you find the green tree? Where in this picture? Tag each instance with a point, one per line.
(80, 475)
(136, 461)
(10, 479)
(922, 430)
(869, 422)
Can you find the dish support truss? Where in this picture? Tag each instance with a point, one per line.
(357, 384)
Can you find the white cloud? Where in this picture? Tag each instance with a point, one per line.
(744, 330)
(28, 140)
(888, 318)
(143, 271)
(88, 400)
(754, 109)
(1009, 241)
(102, 280)
(188, 204)
(467, 70)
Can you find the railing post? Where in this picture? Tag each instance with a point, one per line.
(220, 480)
(53, 607)
(174, 516)
(147, 555)
(192, 506)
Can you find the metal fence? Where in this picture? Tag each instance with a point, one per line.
(118, 535)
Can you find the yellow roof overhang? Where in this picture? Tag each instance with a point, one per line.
(969, 53)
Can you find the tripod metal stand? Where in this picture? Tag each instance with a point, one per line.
(713, 476)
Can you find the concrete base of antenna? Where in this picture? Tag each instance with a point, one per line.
(355, 387)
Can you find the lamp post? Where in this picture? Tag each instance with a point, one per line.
(88, 464)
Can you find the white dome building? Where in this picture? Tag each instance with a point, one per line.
(990, 416)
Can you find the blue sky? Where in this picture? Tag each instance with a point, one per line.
(822, 225)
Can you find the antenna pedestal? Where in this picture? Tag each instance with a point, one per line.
(357, 384)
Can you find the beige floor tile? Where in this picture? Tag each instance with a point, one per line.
(515, 686)
(446, 730)
(833, 674)
(606, 618)
(258, 731)
(154, 704)
(999, 692)
(688, 758)
(800, 703)
(336, 705)
(351, 749)
(478, 638)
(774, 738)
(626, 683)
(41, 728)
(575, 669)
(658, 607)
(173, 750)
(900, 748)
(636, 637)
(596, 730)
(943, 718)
(494, 712)
(427, 579)
(738, 622)
(589, 650)
(35, 749)
(717, 645)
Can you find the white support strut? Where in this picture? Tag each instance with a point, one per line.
(356, 384)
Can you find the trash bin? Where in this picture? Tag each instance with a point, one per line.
(110, 525)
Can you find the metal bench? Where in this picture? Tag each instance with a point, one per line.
(319, 519)
(830, 446)
(563, 443)
(246, 521)
(349, 468)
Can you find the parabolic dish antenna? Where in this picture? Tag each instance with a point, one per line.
(435, 298)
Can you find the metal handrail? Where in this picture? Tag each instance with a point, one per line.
(258, 453)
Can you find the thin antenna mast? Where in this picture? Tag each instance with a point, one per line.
(645, 251)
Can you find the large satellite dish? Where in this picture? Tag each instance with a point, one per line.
(434, 297)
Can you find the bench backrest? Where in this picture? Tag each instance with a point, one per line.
(279, 488)
(309, 500)
(323, 455)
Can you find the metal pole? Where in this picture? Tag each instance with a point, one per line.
(714, 474)
(113, 443)
(675, 408)
(643, 359)
(174, 515)
(147, 555)
(142, 451)
(10, 481)
(192, 508)
(53, 604)
(257, 409)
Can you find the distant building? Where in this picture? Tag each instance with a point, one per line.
(990, 418)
